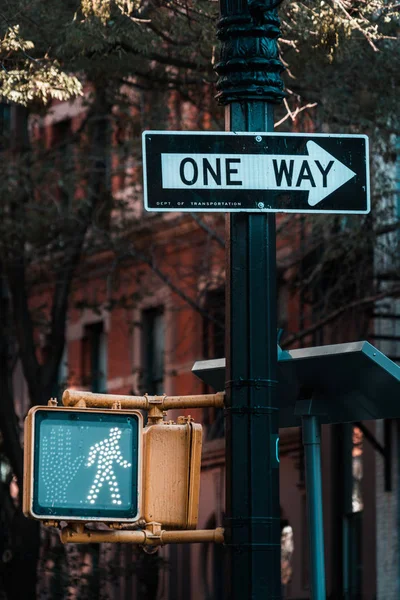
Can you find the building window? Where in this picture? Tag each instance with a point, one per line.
(94, 358)
(213, 567)
(5, 121)
(61, 134)
(63, 161)
(214, 327)
(386, 328)
(353, 511)
(214, 347)
(397, 185)
(62, 376)
(357, 470)
(153, 350)
(282, 305)
(287, 548)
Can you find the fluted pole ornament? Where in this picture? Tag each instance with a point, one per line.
(249, 67)
(249, 85)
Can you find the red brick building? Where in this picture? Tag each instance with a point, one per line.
(138, 326)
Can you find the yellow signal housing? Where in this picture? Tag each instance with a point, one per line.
(171, 478)
(158, 482)
(28, 459)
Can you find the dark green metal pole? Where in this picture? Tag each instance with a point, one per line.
(312, 453)
(249, 85)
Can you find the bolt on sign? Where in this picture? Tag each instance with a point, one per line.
(82, 464)
(253, 172)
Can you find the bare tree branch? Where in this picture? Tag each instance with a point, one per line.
(213, 234)
(360, 303)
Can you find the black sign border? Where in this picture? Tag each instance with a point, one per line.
(351, 150)
(63, 513)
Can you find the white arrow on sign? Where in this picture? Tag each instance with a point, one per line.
(319, 173)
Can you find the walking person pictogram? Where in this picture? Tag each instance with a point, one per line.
(106, 453)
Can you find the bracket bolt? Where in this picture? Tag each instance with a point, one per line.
(260, 205)
(258, 138)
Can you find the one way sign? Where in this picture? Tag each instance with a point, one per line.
(253, 172)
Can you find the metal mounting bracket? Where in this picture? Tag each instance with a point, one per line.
(152, 536)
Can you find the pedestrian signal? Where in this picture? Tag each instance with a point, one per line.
(82, 464)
